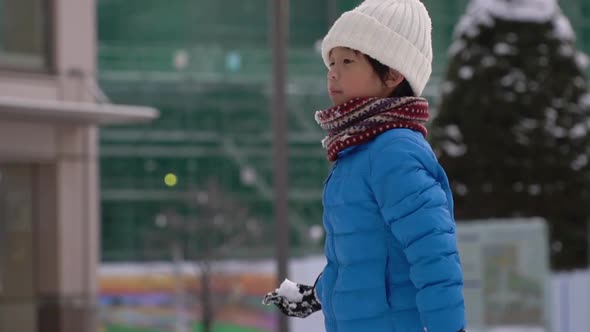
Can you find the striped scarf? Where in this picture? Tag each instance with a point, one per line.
(362, 119)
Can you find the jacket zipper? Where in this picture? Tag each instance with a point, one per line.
(332, 313)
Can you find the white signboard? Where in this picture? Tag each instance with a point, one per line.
(505, 270)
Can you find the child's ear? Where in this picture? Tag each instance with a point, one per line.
(394, 78)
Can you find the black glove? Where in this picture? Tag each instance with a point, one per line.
(307, 306)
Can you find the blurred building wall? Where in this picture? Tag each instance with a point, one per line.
(49, 211)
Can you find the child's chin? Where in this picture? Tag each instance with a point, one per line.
(338, 100)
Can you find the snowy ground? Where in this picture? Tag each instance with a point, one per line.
(510, 329)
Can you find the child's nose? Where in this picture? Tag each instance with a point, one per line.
(332, 74)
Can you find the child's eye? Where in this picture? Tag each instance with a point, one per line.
(331, 63)
(347, 61)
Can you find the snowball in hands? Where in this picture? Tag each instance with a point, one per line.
(290, 291)
(293, 300)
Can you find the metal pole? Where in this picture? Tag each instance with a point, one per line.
(280, 33)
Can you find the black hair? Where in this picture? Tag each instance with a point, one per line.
(402, 90)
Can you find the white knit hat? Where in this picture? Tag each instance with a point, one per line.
(397, 33)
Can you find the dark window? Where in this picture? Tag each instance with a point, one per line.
(24, 32)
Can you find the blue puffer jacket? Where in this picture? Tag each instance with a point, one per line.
(393, 264)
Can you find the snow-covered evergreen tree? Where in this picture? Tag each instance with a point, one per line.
(514, 121)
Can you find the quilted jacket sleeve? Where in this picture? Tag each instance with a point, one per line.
(416, 208)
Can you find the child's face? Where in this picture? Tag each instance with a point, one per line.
(351, 76)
